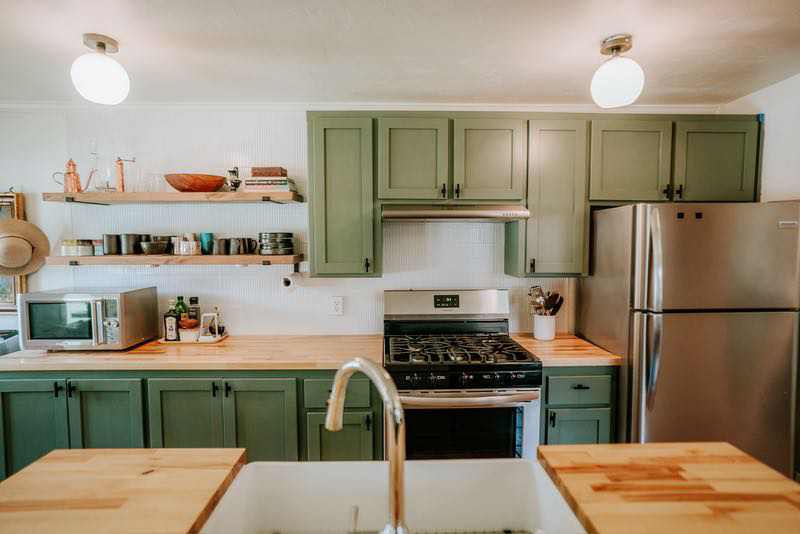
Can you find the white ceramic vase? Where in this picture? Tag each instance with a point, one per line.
(544, 327)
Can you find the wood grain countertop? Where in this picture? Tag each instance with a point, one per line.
(238, 353)
(704, 488)
(118, 490)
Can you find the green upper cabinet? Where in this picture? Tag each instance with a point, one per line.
(716, 160)
(352, 442)
(342, 203)
(413, 158)
(489, 158)
(630, 159)
(551, 241)
(185, 412)
(105, 413)
(33, 421)
(260, 415)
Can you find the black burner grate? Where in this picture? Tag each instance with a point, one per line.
(456, 349)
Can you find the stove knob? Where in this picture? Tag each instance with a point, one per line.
(467, 379)
(412, 380)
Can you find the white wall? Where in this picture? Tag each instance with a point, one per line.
(35, 142)
(780, 103)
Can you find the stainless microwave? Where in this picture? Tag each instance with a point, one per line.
(88, 319)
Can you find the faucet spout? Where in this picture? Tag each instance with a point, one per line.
(395, 431)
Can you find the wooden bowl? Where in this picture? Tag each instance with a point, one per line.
(195, 183)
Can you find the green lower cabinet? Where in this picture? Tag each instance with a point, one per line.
(105, 413)
(33, 421)
(260, 414)
(353, 442)
(185, 412)
(578, 425)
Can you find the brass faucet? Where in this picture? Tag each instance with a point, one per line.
(395, 431)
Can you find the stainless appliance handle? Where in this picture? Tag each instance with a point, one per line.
(655, 272)
(501, 400)
(101, 319)
(654, 326)
(93, 311)
(638, 351)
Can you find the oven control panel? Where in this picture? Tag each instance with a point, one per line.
(468, 379)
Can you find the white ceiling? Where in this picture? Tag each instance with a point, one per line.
(394, 51)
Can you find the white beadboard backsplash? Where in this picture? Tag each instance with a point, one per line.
(36, 142)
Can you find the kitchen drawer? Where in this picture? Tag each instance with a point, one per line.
(579, 389)
(317, 391)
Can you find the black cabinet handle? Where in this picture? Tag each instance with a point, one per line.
(444, 190)
(581, 387)
(368, 422)
(214, 388)
(667, 191)
(71, 388)
(553, 419)
(228, 389)
(56, 388)
(679, 191)
(458, 190)
(533, 265)
(366, 264)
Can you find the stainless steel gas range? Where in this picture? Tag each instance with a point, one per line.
(469, 389)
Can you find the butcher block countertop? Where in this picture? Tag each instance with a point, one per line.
(118, 490)
(703, 488)
(238, 353)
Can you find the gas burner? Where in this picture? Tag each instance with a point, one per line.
(455, 349)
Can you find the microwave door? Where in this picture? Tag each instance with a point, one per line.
(73, 323)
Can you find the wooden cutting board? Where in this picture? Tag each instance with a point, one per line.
(686, 488)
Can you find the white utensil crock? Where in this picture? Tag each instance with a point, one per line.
(544, 327)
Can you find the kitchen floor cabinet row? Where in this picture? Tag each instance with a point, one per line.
(275, 418)
(556, 164)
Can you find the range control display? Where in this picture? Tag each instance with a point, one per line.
(445, 301)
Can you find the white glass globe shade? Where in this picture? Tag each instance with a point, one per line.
(617, 82)
(100, 79)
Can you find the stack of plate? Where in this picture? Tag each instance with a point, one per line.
(275, 243)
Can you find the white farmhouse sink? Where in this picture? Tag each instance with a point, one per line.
(441, 496)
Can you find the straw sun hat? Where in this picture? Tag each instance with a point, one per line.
(23, 247)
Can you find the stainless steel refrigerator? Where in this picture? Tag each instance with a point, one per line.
(702, 300)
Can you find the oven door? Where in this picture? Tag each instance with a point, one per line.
(61, 323)
(446, 424)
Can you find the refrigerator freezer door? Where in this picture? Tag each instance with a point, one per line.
(718, 377)
(716, 256)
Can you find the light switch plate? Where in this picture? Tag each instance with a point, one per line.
(337, 306)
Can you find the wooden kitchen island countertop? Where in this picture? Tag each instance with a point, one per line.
(118, 490)
(687, 488)
(238, 353)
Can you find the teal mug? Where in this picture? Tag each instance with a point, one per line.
(207, 242)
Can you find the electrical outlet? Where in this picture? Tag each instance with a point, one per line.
(337, 306)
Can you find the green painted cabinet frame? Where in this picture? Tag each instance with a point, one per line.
(489, 158)
(353, 442)
(551, 241)
(260, 414)
(185, 412)
(33, 421)
(105, 413)
(568, 426)
(630, 159)
(341, 201)
(716, 160)
(413, 158)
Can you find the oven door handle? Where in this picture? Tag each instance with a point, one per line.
(504, 400)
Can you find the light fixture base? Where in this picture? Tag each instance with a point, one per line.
(101, 43)
(616, 44)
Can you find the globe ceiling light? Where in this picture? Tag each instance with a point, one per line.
(96, 76)
(618, 81)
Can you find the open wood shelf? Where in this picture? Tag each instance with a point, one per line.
(169, 259)
(277, 197)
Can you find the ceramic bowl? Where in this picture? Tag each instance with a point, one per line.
(195, 183)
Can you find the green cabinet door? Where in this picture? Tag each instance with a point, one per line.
(567, 426)
(260, 415)
(341, 201)
(553, 236)
(33, 421)
(489, 159)
(413, 158)
(630, 159)
(716, 160)
(185, 412)
(352, 442)
(105, 413)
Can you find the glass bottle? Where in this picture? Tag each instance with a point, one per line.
(194, 308)
(182, 309)
(171, 318)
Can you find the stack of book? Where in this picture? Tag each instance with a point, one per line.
(269, 184)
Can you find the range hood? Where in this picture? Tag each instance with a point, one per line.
(455, 212)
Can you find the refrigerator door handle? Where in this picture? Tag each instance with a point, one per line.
(653, 338)
(655, 274)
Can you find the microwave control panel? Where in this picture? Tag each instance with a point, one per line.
(111, 332)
